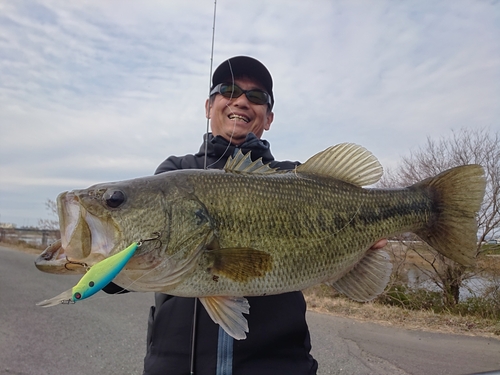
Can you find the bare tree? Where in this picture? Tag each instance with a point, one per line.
(466, 146)
(50, 224)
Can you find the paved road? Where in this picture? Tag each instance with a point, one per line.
(106, 335)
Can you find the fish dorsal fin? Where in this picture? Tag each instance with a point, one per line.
(347, 162)
(367, 279)
(243, 164)
(228, 313)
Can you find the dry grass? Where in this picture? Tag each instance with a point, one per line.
(23, 247)
(323, 299)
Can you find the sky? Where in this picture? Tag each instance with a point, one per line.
(96, 91)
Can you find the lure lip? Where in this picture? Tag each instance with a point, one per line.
(64, 297)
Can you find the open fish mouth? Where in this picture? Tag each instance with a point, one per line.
(85, 238)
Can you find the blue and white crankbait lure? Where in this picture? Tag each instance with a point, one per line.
(98, 276)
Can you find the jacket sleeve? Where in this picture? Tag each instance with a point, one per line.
(170, 164)
(285, 165)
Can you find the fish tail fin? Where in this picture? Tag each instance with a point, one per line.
(64, 297)
(458, 194)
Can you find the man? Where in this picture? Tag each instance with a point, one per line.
(181, 335)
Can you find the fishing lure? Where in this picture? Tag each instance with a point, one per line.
(98, 276)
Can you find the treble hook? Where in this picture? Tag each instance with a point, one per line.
(73, 262)
(156, 237)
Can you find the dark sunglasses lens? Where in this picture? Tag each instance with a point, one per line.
(257, 96)
(234, 91)
(230, 91)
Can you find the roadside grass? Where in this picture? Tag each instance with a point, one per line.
(23, 246)
(322, 298)
(491, 249)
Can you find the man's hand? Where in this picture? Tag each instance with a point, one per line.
(380, 244)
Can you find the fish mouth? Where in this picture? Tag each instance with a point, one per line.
(85, 238)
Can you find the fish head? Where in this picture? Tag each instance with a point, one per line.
(102, 220)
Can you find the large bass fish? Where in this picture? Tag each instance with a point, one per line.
(249, 230)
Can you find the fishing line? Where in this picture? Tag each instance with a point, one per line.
(210, 82)
(227, 105)
(234, 120)
(178, 267)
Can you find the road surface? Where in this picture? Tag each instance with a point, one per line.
(106, 334)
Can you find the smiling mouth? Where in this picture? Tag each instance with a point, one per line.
(233, 116)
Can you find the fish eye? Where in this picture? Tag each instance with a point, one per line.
(114, 198)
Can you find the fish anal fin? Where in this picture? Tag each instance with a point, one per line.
(347, 162)
(367, 279)
(228, 313)
(239, 264)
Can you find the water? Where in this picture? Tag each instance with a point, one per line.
(475, 286)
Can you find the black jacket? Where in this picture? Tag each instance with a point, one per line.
(278, 341)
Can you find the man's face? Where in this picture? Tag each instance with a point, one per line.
(234, 118)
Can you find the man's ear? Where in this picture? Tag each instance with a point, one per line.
(270, 118)
(207, 108)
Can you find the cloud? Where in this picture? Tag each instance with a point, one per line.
(95, 91)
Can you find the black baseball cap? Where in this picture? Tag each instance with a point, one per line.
(244, 66)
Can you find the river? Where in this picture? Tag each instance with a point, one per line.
(475, 286)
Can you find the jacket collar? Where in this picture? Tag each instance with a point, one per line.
(219, 147)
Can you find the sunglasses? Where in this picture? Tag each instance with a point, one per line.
(230, 91)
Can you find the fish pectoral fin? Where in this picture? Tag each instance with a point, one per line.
(239, 264)
(367, 279)
(228, 313)
(347, 162)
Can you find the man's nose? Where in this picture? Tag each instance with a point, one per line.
(241, 101)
